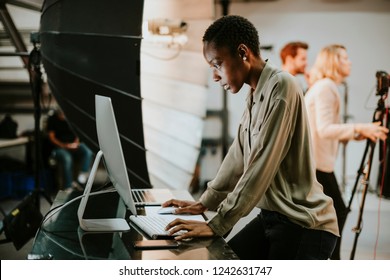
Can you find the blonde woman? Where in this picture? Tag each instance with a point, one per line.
(322, 100)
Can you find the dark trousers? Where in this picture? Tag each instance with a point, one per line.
(331, 188)
(273, 236)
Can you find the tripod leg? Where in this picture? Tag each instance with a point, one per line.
(358, 227)
(359, 173)
(365, 182)
(378, 116)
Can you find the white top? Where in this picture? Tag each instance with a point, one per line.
(323, 108)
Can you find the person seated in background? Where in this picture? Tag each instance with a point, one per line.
(294, 59)
(67, 149)
(331, 68)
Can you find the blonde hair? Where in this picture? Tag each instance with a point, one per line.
(327, 64)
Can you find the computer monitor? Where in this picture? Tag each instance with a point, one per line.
(111, 152)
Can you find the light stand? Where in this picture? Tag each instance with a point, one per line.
(344, 148)
(383, 186)
(365, 169)
(36, 88)
(21, 224)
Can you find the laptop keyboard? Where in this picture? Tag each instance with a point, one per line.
(141, 196)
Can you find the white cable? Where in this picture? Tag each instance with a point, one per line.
(55, 210)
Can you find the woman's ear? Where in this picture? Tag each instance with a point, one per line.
(242, 51)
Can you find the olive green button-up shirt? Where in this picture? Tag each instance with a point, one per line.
(270, 163)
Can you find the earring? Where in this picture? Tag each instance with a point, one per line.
(244, 58)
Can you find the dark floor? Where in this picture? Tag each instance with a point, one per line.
(7, 250)
(372, 243)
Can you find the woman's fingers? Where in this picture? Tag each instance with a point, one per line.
(191, 229)
(177, 203)
(185, 207)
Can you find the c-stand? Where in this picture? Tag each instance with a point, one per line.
(21, 224)
(365, 169)
(36, 88)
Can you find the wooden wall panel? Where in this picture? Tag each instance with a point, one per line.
(182, 126)
(174, 94)
(173, 178)
(163, 145)
(174, 87)
(189, 67)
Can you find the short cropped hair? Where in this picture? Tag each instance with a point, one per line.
(230, 31)
(292, 49)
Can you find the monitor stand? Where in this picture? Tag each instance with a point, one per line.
(102, 225)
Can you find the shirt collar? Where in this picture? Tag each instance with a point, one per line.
(265, 75)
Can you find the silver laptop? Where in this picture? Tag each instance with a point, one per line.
(151, 197)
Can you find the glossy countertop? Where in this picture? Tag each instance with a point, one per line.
(61, 238)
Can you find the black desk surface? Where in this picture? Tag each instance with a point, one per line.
(60, 237)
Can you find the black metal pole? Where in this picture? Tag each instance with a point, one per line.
(35, 82)
(36, 88)
(225, 7)
(359, 173)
